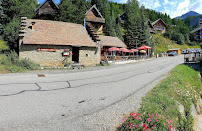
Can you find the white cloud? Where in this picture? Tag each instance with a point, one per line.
(151, 4)
(156, 4)
(196, 6)
(172, 3)
(182, 8)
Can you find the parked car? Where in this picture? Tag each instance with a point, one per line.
(173, 53)
(184, 51)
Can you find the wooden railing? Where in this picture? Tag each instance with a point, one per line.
(123, 58)
(95, 19)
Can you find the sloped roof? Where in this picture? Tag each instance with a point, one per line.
(96, 10)
(48, 32)
(44, 3)
(159, 20)
(199, 28)
(111, 41)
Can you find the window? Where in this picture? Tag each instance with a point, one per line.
(162, 28)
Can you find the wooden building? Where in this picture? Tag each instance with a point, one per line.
(51, 43)
(178, 51)
(159, 25)
(46, 10)
(198, 34)
(95, 18)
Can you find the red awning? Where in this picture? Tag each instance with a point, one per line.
(113, 49)
(144, 47)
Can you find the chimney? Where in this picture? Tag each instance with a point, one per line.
(33, 24)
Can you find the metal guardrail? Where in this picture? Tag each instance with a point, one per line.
(192, 57)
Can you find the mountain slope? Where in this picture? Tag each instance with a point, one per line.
(191, 13)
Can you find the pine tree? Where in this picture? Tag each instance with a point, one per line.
(145, 35)
(80, 10)
(71, 11)
(13, 10)
(1, 18)
(132, 23)
(118, 30)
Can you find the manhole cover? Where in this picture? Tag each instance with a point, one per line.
(41, 75)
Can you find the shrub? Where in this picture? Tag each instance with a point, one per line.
(145, 122)
(13, 63)
(3, 47)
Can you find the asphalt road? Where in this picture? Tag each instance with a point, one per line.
(84, 100)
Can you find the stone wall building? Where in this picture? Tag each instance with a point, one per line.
(51, 43)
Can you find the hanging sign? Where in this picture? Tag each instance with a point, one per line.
(44, 49)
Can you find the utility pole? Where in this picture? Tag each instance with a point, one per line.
(136, 38)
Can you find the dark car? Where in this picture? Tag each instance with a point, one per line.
(173, 53)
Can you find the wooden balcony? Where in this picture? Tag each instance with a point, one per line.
(95, 19)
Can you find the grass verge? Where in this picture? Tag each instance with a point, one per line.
(182, 87)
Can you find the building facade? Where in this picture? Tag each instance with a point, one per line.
(159, 25)
(198, 34)
(94, 17)
(54, 43)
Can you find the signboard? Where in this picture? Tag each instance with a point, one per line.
(48, 50)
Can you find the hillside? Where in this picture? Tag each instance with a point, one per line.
(191, 13)
(164, 44)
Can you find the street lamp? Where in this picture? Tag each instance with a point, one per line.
(136, 38)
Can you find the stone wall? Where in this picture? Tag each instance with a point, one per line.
(44, 58)
(89, 56)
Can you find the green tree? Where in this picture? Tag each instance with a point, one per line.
(13, 11)
(145, 35)
(1, 18)
(71, 11)
(132, 23)
(118, 30)
(11, 31)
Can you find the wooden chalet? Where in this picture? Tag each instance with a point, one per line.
(46, 10)
(159, 25)
(198, 34)
(94, 19)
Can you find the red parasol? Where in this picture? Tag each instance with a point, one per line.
(134, 50)
(113, 49)
(144, 47)
(122, 49)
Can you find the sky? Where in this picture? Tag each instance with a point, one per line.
(173, 8)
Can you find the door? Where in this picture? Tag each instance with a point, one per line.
(75, 55)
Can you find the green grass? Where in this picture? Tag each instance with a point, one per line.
(182, 86)
(164, 44)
